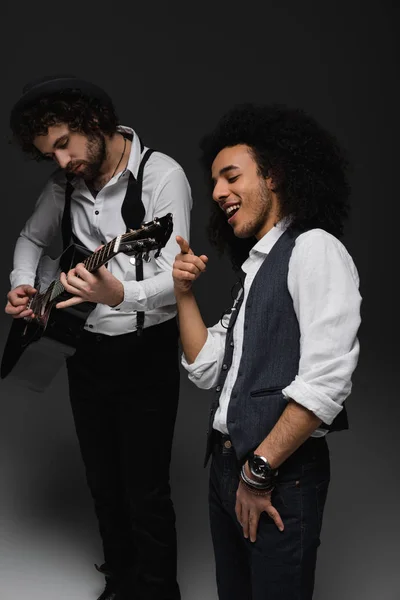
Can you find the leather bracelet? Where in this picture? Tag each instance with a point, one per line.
(256, 485)
(255, 492)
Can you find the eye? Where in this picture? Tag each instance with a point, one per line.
(63, 145)
(232, 179)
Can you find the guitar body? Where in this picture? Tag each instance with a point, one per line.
(54, 334)
(36, 348)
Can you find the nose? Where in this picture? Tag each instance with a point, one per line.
(62, 158)
(220, 191)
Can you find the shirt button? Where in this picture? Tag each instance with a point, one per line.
(224, 367)
(218, 388)
(90, 326)
(232, 344)
(96, 212)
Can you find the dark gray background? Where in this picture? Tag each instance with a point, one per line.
(172, 73)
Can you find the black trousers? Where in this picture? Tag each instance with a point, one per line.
(278, 565)
(124, 395)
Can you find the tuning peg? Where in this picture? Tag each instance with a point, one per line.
(146, 256)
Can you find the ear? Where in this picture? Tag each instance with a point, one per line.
(274, 179)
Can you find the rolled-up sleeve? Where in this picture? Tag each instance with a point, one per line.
(205, 370)
(324, 284)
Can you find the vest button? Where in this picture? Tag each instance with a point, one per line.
(224, 367)
(218, 388)
(232, 344)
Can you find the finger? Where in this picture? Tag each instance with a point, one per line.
(73, 285)
(25, 313)
(15, 310)
(245, 522)
(275, 516)
(254, 518)
(183, 275)
(183, 245)
(18, 300)
(194, 260)
(70, 302)
(28, 289)
(81, 272)
(189, 266)
(238, 510)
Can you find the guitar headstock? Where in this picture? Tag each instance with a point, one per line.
(152, 235)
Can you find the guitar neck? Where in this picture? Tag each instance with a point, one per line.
(91, 264)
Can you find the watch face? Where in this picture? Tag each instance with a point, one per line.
(259, 467)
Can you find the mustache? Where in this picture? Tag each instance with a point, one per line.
(74, 165)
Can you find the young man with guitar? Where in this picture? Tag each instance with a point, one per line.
(124, 374)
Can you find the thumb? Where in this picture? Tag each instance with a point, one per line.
(183, 245)
(28, 290)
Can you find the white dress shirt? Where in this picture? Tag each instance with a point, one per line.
(324, 285)
(96, 221)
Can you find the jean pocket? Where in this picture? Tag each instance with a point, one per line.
(266, 392)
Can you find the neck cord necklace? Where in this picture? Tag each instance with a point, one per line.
(119, 162)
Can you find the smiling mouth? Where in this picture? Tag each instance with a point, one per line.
(231, 211)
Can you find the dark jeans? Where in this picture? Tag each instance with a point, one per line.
(124, 395)
(278, 565)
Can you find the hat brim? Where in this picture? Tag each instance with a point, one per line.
(57, 85)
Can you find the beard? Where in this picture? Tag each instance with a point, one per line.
(96, 154)
(261, 206)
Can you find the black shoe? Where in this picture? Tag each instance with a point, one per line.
(111, 590)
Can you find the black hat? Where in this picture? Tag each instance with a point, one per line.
(56, 83)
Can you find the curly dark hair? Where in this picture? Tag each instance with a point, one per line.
(82, 114)
(310, 166)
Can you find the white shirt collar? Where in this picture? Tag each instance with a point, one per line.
(266, 243)
(135, 154)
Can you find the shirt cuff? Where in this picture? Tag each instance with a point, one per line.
(204, 360)
(129, 303)
(317, 402)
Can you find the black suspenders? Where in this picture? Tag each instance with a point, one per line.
(133, 213)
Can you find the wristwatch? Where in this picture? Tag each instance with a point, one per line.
(260, 467)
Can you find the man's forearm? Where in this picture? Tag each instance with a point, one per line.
(193, 332)
(294, 427)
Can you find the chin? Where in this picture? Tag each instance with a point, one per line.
(244, 233)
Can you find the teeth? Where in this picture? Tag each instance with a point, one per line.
(232, 208)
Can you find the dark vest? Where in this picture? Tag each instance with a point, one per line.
(132, 211)
(270, 355)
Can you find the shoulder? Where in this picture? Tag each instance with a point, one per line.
(57, 180)
(164, 165)
(315, 240)
(317, 249)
